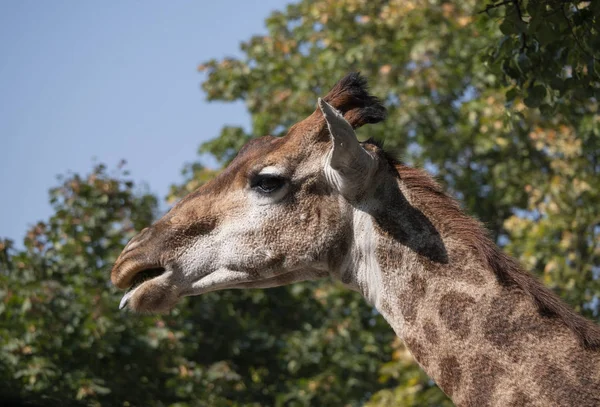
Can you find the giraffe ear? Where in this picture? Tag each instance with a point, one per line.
(349, 166)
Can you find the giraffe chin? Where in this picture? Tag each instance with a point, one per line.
(153, 296)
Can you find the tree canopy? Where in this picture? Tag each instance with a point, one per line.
(498, 100)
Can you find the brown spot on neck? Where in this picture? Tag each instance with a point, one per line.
(455, 311)
(411, 297)
(431, 332)
(520, 399)
(560, 387)
(450, 375)
(484, 377)
(504, 329)
(417, 285)
(417, 350)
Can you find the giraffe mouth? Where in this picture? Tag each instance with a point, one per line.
(140, 278)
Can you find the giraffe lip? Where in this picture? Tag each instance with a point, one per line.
(140, 278)
(125, 299)
(145, 275)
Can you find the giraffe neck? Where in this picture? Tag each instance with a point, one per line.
(483, 342)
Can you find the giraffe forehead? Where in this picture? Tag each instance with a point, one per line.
(286, 156)
(264, 155)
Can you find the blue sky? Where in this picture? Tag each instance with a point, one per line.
(110, 81)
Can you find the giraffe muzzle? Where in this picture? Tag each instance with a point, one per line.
(140, 278)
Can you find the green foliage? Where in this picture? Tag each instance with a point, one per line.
(549, 51)
(59, 335)
(502, 106)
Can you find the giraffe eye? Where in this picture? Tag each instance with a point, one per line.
(268, 183)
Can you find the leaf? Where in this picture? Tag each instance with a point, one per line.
(546, 34)
(535, 96)
(508, 27)
(511, 94)
(558, 84)
(546, 109)
(523, 62)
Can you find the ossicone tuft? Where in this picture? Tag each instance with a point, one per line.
(351, 97)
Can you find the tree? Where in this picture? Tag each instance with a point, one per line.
(59, 338)
(548, 51)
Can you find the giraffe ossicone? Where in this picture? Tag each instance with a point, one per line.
(317, 203)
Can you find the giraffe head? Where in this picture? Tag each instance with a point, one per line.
(277, 214)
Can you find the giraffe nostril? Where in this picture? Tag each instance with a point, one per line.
(136, 240)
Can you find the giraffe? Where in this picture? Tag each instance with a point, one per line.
(318, 203)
